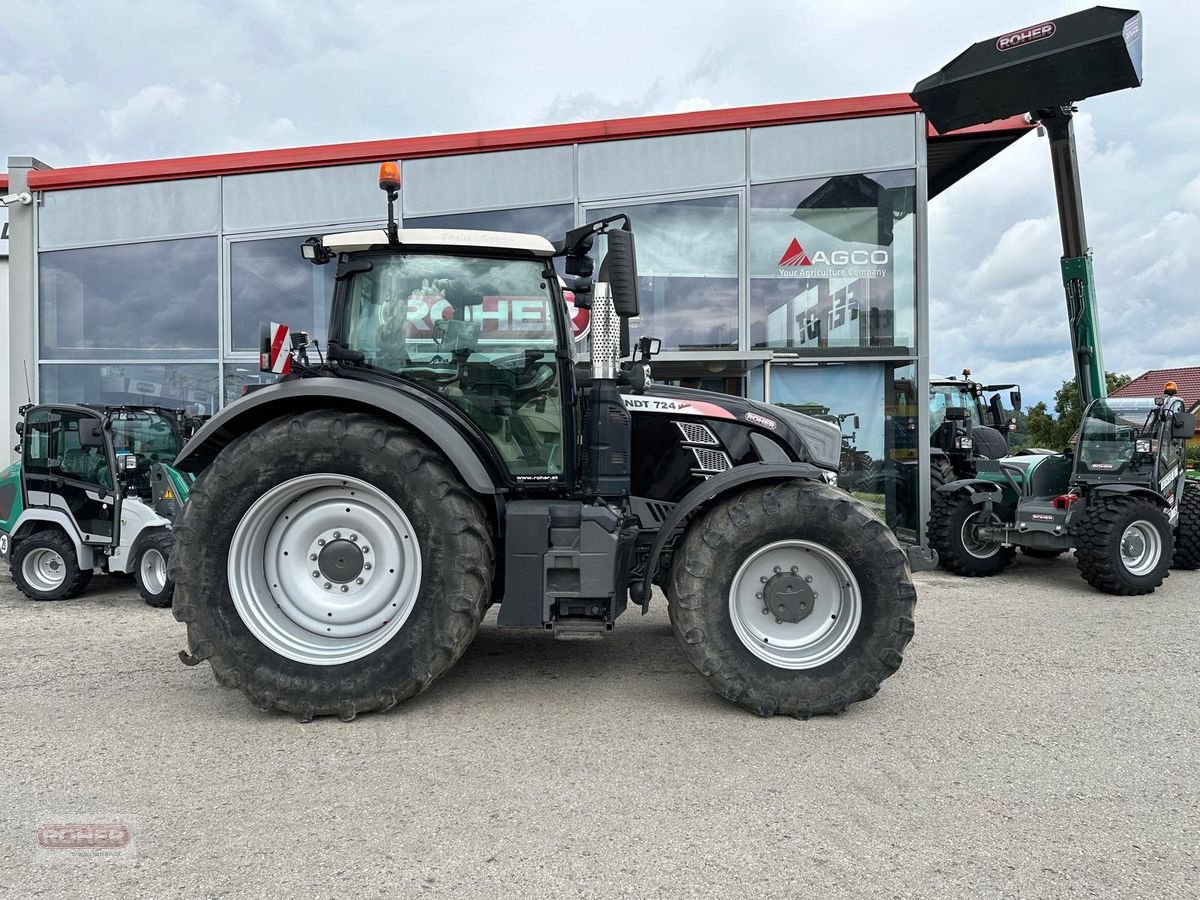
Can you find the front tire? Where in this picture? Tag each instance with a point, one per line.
(1123, 545)
(1187, 530)
(951, 533)
(397, 596)
(45, 567)
(848, 605)
(153, 583)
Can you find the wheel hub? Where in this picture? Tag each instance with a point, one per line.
(340, 561)
(789, 597)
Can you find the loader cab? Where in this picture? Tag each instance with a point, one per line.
(1127, 438)
(67, 463)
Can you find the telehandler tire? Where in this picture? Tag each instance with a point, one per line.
(1124, 545)
(331, 563)
(1187, 529)
(950, 534)
(791, 599)
(151, 571)
(45, 567)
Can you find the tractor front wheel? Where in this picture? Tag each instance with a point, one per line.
(791, 599)
(1187, 530)
(953, 524)
(45, 567)
(331, 563)
(1123, 545)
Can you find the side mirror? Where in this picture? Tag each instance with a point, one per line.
(1014, 399)
(90, 434)
(1183, 426)
(997, 411)
(857, 424)
(619, 269)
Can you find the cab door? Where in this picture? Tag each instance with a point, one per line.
(67, 465)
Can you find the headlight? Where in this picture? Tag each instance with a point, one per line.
(830, 477)
(964, 442)
(1142, 445)
(130, 461)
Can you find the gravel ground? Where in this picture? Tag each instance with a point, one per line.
(1039, 741)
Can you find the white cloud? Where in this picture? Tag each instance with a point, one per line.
(150, 106)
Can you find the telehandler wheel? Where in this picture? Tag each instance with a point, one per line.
(1187, 529)
(1124, 545)
(331, 562)
(792, 599)
(952, 523)
(151, 572)
(44, 567)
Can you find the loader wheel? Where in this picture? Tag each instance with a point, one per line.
(1187, 530)
(44, 567)
(952, 524)
(330, 563)
(1123, 545)
(151, 572)
(792, 599)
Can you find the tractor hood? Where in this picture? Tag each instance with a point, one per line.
(817, 441)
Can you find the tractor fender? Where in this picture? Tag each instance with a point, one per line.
(1136, 490)
(702, 495)
(304, 394)
(27, 522)
(980, 488)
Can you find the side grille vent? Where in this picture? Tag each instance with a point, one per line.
(697, 433)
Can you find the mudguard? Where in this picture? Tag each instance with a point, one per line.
(1136, 489)
(699, 496)
(30, 518)
(304, 394)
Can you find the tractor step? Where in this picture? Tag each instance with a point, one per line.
(580, 629)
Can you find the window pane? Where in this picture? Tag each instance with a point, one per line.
(270, 282)
(190, 386)
(135, 300)
(874, 404)
(242, 373)
(551, 222)
(687, 258)
(832, 264)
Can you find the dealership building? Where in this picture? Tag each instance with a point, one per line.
(781, 250)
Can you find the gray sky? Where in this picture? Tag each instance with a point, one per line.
(145, 80)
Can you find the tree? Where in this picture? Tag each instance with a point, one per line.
(1054, 432)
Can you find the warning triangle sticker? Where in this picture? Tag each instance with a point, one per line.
(794, 255)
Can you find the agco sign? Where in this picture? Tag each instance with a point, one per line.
(854, 263)
(1015, 39)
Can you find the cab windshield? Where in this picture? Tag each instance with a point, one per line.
(1108, 432)
(148, 433)
(943, 396)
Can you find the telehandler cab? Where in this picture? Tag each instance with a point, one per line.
(351, 524)
(1120, 499)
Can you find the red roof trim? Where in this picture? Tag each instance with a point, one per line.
(479, 141)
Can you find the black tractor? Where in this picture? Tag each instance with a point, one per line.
(350, 525)
(964, 427)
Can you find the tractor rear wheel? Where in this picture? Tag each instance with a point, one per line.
(952, 524)
(45, 567)
(151, 571)
(1124, 545)
(331, 563)
(940, 472)
(792, 599)
(1187, 529)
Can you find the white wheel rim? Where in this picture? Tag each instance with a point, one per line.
(831, 614)
(153, 570)
(44, 569)
(1141, 547)
(972, 543)
(324, 569)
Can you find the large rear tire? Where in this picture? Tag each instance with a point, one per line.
(385, 559)
(45, 567)
(1123, 545)
(951, 533)
(1187, 529)
(837, 582)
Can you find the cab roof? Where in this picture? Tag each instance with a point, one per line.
(350, 241)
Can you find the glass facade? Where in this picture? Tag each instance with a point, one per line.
(759, 249)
